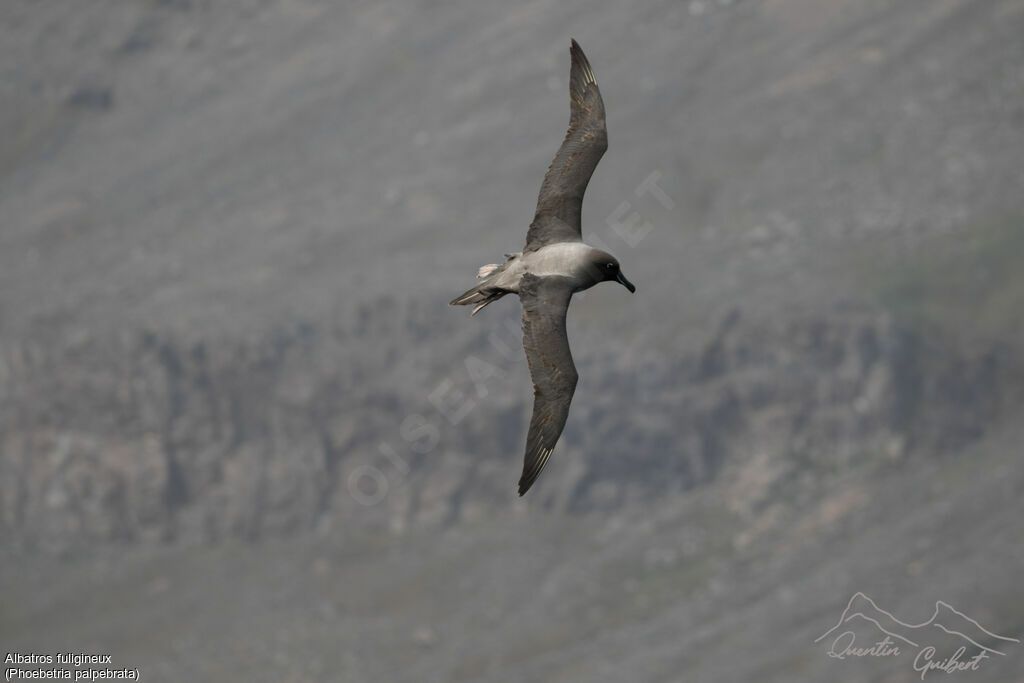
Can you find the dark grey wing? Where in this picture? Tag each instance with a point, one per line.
(545, 302)
(561, 193)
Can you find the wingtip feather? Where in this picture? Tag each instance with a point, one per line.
(579, 58)
(530, 473)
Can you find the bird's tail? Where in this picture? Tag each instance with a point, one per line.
(484, 293)
(481, 295)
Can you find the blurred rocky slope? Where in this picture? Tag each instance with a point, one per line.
(149, 437)
(227, 231)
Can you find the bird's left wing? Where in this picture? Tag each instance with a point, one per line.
(561, 194)
(545, 303)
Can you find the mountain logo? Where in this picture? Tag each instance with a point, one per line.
(949, 641)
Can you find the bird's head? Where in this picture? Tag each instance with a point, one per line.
(606, 268)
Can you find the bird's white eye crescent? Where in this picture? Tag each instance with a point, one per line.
(610, 266)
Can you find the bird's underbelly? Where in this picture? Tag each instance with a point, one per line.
(567, 259)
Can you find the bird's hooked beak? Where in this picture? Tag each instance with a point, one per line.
(621, 279)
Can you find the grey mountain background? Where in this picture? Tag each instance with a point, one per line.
(228, 231)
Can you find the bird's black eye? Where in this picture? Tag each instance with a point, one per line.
(610, 266)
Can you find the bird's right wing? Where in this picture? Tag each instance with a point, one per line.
(545, 303)
(561, 194)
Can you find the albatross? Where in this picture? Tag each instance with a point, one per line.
(554, 264)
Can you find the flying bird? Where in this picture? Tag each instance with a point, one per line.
(554, 264)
